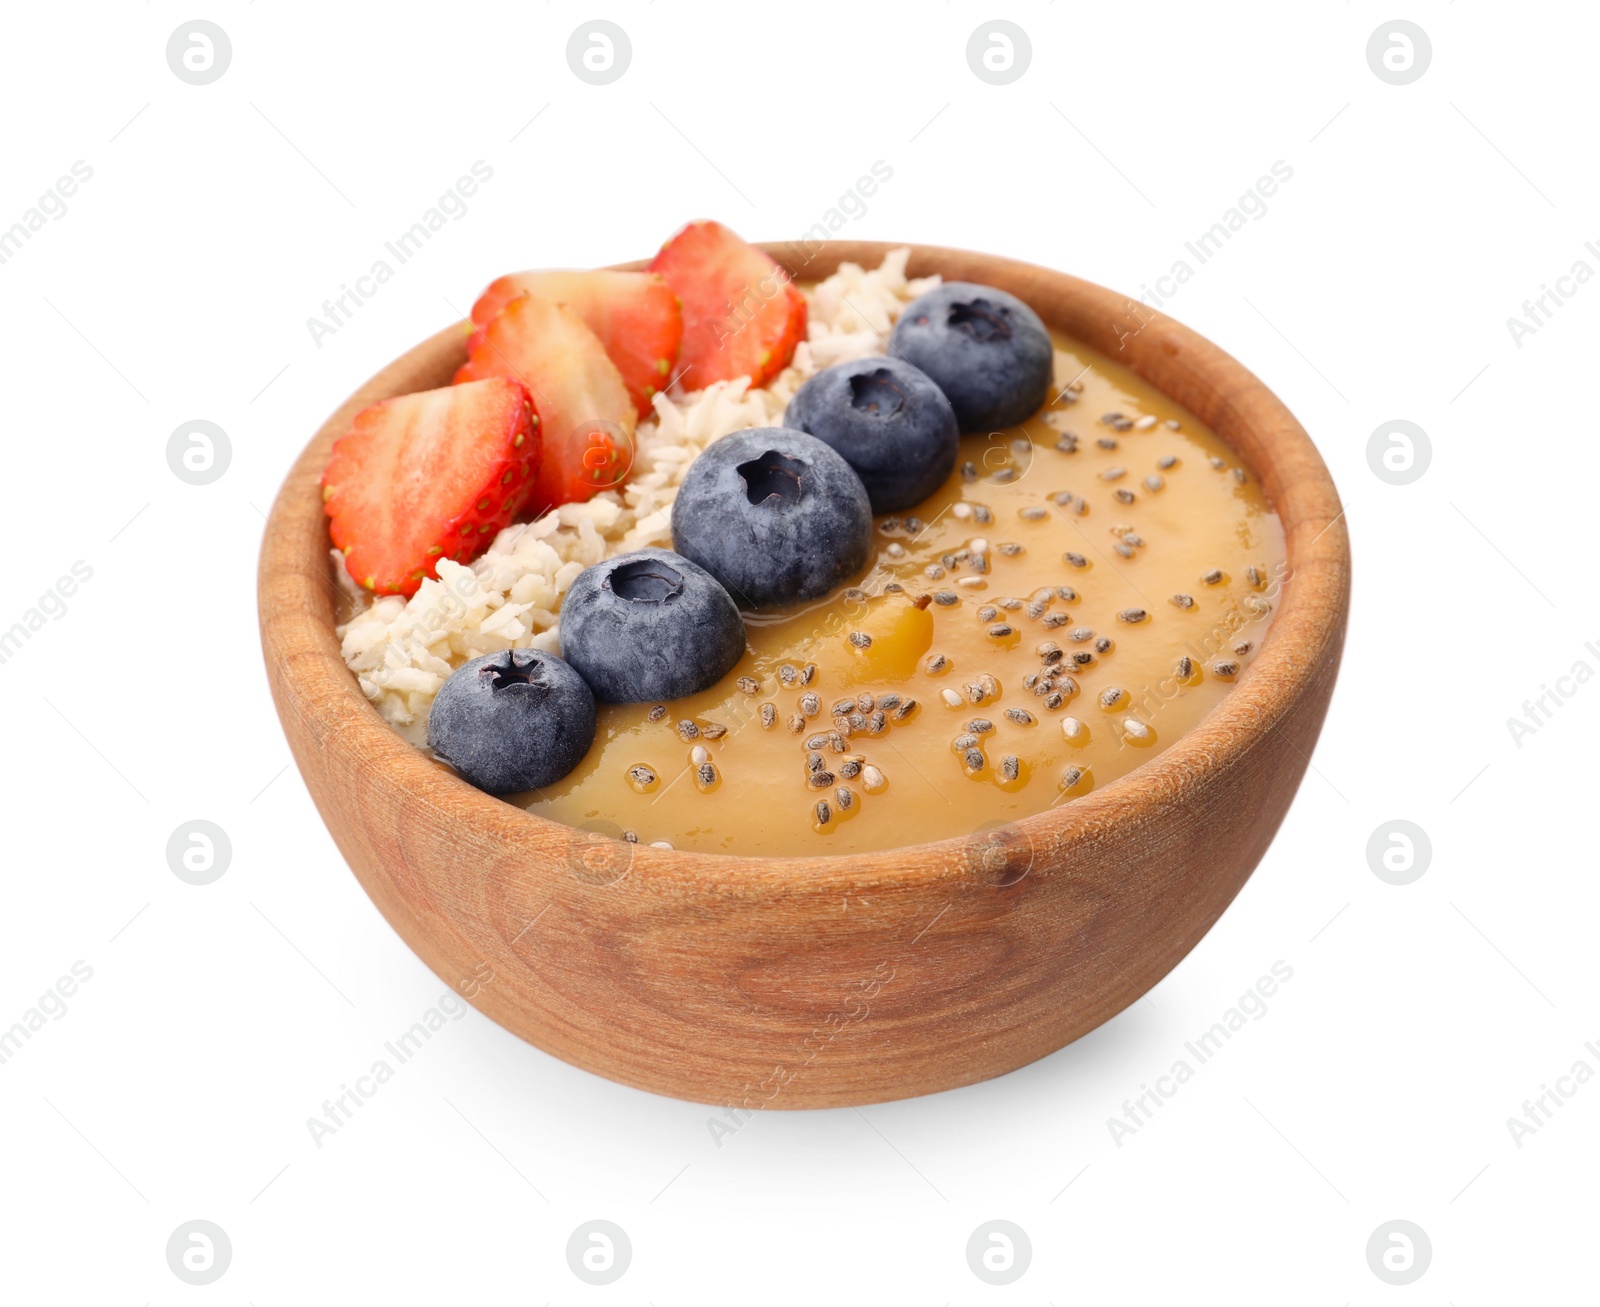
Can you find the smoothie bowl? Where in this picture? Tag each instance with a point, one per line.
(820, 716)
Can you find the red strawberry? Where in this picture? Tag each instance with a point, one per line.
(635, 315)
(586, 419)
(741, 315)
(429, 476)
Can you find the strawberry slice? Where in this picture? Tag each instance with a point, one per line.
(586, 419)
(742, 317)
(429, 476)
(635, 315)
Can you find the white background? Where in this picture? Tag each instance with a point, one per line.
(1377, 286)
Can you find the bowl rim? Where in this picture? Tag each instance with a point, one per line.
(1306, 631)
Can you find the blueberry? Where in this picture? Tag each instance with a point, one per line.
(987, 350)
(649, 625)
(512, 721)
(888, 420)
(773, 514)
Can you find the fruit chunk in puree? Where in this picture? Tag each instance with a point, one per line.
(1112, 516)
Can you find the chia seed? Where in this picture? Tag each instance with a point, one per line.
(1226, 670)
(1167, 462)
(1000, 631)
(748, 685)
(707, 774)
(1075, 560)
(988, 613)
(1111, 697)
(820, 780)
(861, 639)
(974, 759)
(1124, 496)
(944, 598)
(980, 726)
(1212, 577)
(658, 712)
(1185, 668)
(1052, 620)
(688, 730)
(787, 674)
(1033, 513)
(1103, 645)
(846, 799)
(889, 702)
(1021, 716)
(850, 768)
(1066, 594)
(642, 777)
(713, 730)
(769, 716)
(905, 710)
(823, 812)
(1133, 616)
(1009, 767)
(810, 705)
(935, 663)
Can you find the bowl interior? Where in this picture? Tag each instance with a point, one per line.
(298, 594)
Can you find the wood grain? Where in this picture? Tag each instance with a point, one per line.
(827, 981)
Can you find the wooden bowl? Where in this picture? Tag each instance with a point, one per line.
(828, 981)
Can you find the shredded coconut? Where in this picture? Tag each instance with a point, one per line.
(402, 650)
